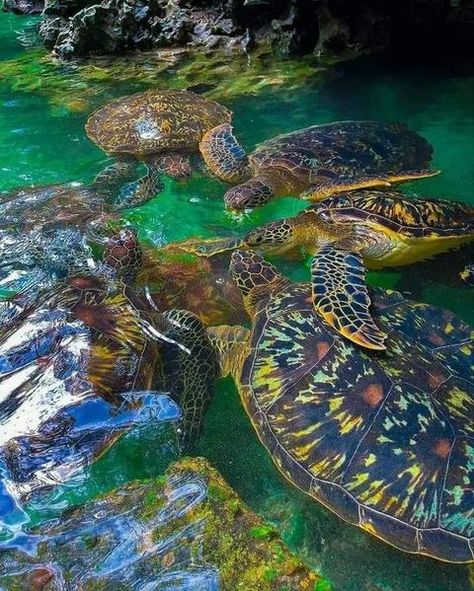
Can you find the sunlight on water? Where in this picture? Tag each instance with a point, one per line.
(40, 144)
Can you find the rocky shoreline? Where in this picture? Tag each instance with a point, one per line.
(327, 28)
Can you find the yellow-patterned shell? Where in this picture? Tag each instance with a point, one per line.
(394, 210)
(383, 439)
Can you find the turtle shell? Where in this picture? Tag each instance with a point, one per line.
(110, 351)
(394, 210)
(384, 440)
(155, 120)
(49, 206)
(348, 150)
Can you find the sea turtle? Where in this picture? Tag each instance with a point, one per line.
(383, 439)
(94, 335)
(317, 161)
(350, 231)
(162, 128)
(63, 205)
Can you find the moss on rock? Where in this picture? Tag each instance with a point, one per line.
(184, 526)
(246, 561)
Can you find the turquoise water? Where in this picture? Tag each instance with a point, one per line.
(44, 142)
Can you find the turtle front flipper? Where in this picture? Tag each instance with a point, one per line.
(230, 344)
(223, 154)
(190, 370)
(110, 181)
(340, 295)
(142, 190)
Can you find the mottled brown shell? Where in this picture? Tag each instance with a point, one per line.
(394, 210)
(344, 150)
(155, 120)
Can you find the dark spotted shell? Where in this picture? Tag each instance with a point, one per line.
(394, 210)
(344, 150)
(386, 439)
(155, 120)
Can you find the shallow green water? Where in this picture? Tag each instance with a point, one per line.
(42, 143)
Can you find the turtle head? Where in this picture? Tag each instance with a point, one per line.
(288, 235)
(123, 253)
(255, 278)
(253, 193)
(273, 238)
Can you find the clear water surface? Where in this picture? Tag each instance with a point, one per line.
(42, 143)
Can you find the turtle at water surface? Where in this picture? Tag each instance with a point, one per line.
(317, 161)
(162, 128)
(383, 439)
(46, 207)
(350, 231)
(94, 336)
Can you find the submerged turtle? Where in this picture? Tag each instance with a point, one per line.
(383, 439)
(95, 336)
(317, 161)
(162, 128)
(351, 231)
(49, 207)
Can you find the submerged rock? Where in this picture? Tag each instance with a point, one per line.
(186, 530)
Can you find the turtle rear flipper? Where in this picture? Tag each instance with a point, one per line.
(327, 186)
(340, 296)
(223, 154)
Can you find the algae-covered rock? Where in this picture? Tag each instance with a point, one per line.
(186, 530)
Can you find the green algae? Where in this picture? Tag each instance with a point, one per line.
(265, 532)
(322, 585)
(246, 561)
(80, 86)
(214, 529)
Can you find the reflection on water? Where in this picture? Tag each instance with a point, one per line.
(43, 142)
(60, 450)
(113, 544)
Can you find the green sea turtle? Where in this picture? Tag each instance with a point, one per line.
(162, 128)
(317, 161)
(95, 336)
(350, 231)
(383, 439)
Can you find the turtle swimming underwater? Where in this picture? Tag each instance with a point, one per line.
(67, 205)
(383, 439)
(317, 161)
(162, 128)
(95, 336)
(350, 231)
